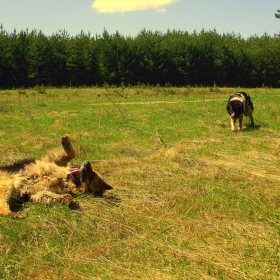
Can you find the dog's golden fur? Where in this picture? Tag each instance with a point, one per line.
(47, 180)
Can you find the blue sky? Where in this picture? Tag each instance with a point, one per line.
(129, 17)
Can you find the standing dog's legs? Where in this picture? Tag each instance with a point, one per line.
(249, 110)
(240, 119)
(250, 115)
(233, 124)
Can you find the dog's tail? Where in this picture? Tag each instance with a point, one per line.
(250, 102)
(17, 166)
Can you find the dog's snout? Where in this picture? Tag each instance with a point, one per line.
(86, 164)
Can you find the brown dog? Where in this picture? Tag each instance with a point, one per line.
(48, 180)
(238, 105)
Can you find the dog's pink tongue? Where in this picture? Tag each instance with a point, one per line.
(232, 116)
(76, 171)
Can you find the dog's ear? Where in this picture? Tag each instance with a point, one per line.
(229, 109)
(108, 187)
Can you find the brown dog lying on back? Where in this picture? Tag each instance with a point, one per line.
(48, 180)
(238, 105)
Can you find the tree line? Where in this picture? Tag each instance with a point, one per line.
(178, 58)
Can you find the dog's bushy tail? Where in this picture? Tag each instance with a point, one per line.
(17, 166)
(250, 102)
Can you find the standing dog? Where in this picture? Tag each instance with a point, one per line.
(238, 105)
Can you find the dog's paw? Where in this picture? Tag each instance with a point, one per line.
(74, 205)
(65, 140)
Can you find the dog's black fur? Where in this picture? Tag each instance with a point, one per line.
(238, 105)
(17, 166)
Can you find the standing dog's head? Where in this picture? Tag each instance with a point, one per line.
(235, 108)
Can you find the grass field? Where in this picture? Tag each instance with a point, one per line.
(191, 199)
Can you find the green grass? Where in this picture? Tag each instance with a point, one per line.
(191, 199)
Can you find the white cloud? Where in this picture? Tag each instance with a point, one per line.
(123, 6)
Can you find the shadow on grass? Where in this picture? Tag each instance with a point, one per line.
(249, 127)
(111, 199)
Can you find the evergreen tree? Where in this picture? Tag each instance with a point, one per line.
(176, 57)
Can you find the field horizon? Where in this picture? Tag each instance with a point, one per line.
(191, 199)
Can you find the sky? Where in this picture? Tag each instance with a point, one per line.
(129, 17)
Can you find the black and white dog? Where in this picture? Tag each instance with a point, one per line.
(238, 105)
